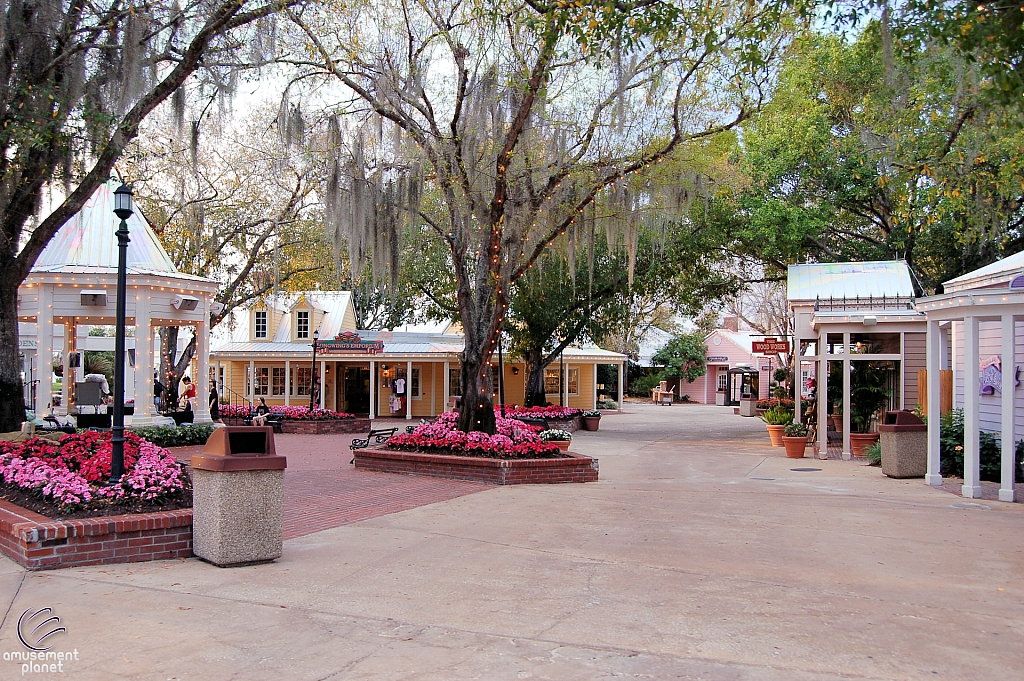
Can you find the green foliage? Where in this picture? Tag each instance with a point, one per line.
(592, 413)
(777, 416)
(868, 393)
(951, 448)
(796, 430)
(181, 436)
(555, 434)
(607, 404)
(685, 356)
(643, 385)
(873, 453)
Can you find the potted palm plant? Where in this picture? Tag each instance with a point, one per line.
(794, 438)
(868, 394)
(776, 420)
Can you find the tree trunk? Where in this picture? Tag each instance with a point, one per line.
(12, 399)
(536, 392)
(477, 411)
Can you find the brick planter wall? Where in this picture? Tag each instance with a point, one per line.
(356, 425)
(569, 468)
(40, 543)
(571, 425)
(332, 426)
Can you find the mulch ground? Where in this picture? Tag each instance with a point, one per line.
(97, 508)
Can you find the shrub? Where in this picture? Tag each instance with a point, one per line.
(552, 412)
(873, 453)
(795, 430)
(951, 448)
(591, 413)
(555, 434)
(643, 385)
(777, 416)
(607, 404)
(513, 439)
(769, 402)
(181, 436)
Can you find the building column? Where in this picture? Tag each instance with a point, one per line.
(44, 349)
(934, 395)
(594, 383)
(202, 378)
(446, 379)
(1009, 439)
(822, 376)
(373, 391)
(622, 371)
(433, 406)
(408, 390)
(971, 487)
(287, 382)
(796, 381)
(322, 402)
(252, 383)
(847, 449)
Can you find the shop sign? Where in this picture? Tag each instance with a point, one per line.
(718, 358)
(771, 346)
(349, 343)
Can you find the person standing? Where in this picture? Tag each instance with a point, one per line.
(158, 392)
(214, 403)
(190, 394)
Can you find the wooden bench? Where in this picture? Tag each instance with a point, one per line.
(378, 435)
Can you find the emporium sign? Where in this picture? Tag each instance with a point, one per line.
(349, 343)
(771, 346)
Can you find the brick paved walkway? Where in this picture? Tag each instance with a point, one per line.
(322, 490)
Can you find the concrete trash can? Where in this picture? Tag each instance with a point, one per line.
(238, 497)
(748, 406)
(904, 439)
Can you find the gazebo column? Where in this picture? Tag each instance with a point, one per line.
(202, 378)
(971, 488)
(1009, 364)
(144, 407)
(44, 334)
(287, 382)
(934, 397)
(70, 333)
(847, 449)
(408, 391)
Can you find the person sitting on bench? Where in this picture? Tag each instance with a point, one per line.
(262, 411)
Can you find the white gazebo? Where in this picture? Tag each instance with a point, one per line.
(974, 328)
(74, 281)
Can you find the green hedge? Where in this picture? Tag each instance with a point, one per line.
(181, 436)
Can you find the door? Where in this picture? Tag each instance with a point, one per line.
(356, 396)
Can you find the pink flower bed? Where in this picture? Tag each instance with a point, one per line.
(291, 413)
(513, 440)
(552, 412)
(73, 473)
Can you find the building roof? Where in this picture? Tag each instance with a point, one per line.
(1000, 272)
(652, 341)
(86, 243)
(877, 279)
(334, 305)
(395, 343)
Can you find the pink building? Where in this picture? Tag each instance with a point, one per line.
(731, 367)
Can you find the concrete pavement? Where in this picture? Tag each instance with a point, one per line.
(699, 555)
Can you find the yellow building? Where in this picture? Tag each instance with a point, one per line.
(266, 350)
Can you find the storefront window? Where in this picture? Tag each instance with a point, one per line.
(808, 348)
(262, 381)
(303, 376)
(455, 381)
(875, 343)
(552, 384)
(278, 382)
(834, 344)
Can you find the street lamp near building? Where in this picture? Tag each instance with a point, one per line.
(123, 210)
(312, 373)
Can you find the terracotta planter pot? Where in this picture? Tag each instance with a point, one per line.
(861, 441)
(775, 433)
(795, 446)
(591, 422)
(562, 444)
(837, 421)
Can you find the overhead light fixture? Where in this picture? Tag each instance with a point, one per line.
(94, 298)
(216, 308)
(870, 320)
(185, 303)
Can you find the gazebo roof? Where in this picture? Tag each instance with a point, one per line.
(1000, 272)
(86, 243)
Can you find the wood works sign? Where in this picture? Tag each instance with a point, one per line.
(771, 346)
(349, 343)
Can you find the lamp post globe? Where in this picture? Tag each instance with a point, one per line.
(312, 374)
(123, 210)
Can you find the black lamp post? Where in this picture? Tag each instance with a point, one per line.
(312, 374)
(123, 210)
